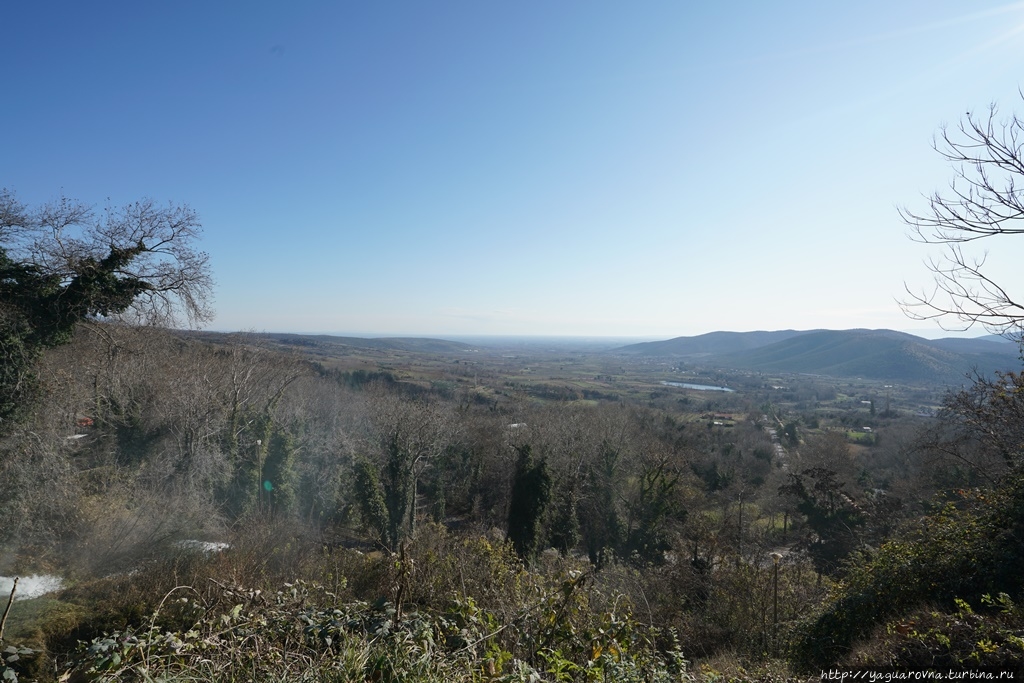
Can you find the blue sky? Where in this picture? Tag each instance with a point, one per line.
(562, 168)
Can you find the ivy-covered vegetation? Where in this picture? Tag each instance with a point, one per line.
(60, 265)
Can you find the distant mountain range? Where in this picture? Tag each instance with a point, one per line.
(872, 354)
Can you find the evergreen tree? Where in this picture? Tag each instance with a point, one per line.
(564, 523)
(370, 497)
(601, 525)
(399, 489)
(531, 493)
(278, 480)
(833, 516)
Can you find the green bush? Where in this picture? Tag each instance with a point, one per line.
(962, 638)
(968, 548)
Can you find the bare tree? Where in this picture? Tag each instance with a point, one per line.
(980, 438)
(61, 264)
(985, 200)
(138, 261)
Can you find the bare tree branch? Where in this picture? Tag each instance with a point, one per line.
(985, 200)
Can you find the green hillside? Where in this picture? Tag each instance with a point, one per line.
(873, 354)
(710, 343)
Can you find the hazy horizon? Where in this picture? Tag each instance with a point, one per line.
(925, 334)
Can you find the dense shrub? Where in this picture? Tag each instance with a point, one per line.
(989, 637)
(969, 548)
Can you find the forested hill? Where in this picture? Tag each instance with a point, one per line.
(711, 343)
(875, 354)
(331, 345)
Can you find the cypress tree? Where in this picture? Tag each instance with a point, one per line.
(531, 492)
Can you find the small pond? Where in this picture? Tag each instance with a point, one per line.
(698, 387)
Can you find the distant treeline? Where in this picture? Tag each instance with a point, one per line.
(358, 379)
